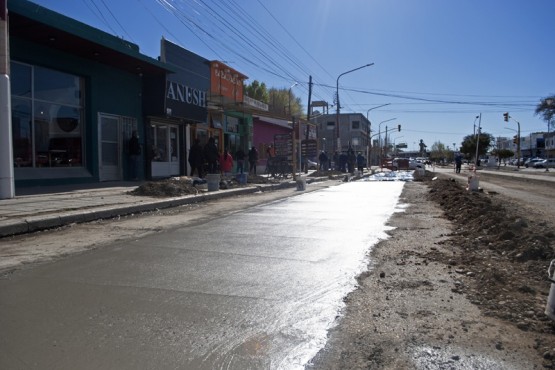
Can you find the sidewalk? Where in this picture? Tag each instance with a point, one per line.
(49, 207)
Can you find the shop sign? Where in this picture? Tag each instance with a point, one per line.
(232, 124)
(186, 91)
(225, 81)
(283, 144)
(186, 94)
(255, 103)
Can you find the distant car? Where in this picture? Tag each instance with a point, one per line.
(406, 164)
(311, 165)
(531, 162)
(423, 160)
(545, 163)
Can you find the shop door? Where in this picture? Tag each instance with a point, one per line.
(109, 148)
(165, 158)
(174, 150)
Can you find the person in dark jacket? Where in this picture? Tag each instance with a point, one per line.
(211, 155)
(323, 158)
(240, 157)
(253, 159)
(134, 155)
(360, 163)
(196, 158)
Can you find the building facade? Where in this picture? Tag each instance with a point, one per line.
(353, 132)
(76, 96)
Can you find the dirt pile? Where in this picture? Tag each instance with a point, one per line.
(185, 185)
(500, 254)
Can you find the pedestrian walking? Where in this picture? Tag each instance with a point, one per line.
(253, 159)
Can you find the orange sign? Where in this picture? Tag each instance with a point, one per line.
(225, 81)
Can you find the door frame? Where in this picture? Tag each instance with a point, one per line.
(124, 127)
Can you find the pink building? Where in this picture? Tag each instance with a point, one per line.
(264, 134)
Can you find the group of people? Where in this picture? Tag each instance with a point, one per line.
(344, 162)
(208, 158)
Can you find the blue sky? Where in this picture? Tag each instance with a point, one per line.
(438, 63)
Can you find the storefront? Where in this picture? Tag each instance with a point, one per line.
(229, 123)
(76, 98)
(178, 115)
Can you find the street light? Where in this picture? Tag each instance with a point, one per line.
(475, 124)
(517, 141)
(293, 134)
(379, 106)
(292, 86)
(380, 137)
(370, 131)
(478, 136)
(336, 145)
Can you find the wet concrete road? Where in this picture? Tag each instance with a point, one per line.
(253, 290)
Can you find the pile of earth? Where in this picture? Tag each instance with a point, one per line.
(185, 185)
(500, 254)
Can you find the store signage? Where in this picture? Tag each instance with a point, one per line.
(226, 82)
(255, 103)
(232, 124)
(186, 94)
(186, 90)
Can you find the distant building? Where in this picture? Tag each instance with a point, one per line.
(353, 132)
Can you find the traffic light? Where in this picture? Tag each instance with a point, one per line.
(399, 128)
(506, 116)
(515, 139)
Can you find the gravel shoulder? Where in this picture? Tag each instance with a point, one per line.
(437, 297)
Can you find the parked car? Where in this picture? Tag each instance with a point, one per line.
(545, 163)
(423, 160)
(406, 164)
(311, 165)
(530, 162)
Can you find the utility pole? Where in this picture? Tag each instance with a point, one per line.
(7, 187)
(506, 118)
(478, 138)
(308, 107)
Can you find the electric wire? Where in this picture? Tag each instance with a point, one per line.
(116, 19)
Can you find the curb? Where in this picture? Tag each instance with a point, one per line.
(51, 221)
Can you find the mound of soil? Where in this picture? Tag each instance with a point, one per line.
(501, 255)
(184, 185)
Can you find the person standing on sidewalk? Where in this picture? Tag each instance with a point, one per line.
(253, 159)
(196, 159)
(240, 157)
(134, 155)
(360, 163)
(226, 163)
(458, 163)
(211, 155)
(323, 158)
